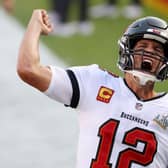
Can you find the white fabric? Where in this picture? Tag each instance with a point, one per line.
(115, 125)
(143, 77)
(60, 88)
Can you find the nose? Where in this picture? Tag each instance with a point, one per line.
(150, 48)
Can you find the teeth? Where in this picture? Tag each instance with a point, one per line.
(146, 60)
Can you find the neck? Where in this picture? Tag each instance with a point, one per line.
(144, 92)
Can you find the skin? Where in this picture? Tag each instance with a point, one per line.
(149, 46)
(8, 5)
(146, 91)
(32, 72)
(29, 68)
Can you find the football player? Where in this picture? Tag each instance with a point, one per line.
(123, 121)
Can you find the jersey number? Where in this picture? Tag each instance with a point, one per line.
(107, 134)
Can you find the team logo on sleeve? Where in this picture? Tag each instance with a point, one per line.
(105, 94)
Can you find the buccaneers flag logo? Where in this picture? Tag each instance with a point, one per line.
(105, 94)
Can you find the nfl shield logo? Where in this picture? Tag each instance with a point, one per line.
(138, 106)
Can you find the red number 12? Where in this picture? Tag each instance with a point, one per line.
(128, 156)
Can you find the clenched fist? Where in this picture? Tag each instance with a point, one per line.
(41, 21)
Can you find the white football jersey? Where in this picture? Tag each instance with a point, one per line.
(117, 129)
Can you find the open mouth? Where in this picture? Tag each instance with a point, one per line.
(146, 65)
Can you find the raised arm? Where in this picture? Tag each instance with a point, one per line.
(29, 68)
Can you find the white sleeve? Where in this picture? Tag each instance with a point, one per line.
(60, 88)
